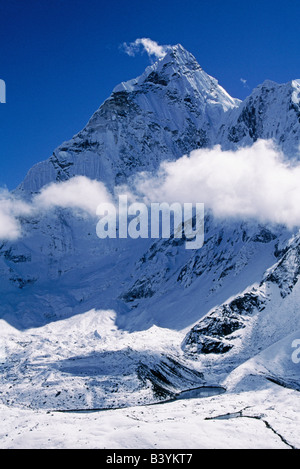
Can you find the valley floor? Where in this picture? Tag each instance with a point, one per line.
(262, 419)
(86, 362)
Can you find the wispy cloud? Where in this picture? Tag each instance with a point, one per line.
(244, 82)
(145, 44)
(11, 209)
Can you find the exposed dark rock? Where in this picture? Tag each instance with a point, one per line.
(157, 79)
(212, 333)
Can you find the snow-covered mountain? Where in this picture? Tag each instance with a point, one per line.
(261, 316)
(101, 323)
(171, 109)
(272, 111)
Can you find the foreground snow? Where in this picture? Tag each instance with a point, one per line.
(266, 418)
(87, 362)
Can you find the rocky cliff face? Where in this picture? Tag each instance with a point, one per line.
(265, 314)
(272, 111)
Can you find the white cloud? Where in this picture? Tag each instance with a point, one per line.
(10, 228)
(151, 47)
(244, 82)
(254, 182)
(10, 209)
(79, 192)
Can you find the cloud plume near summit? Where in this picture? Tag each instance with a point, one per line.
(145, 44)
(255, 182)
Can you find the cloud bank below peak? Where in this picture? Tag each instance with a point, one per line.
(256, 183)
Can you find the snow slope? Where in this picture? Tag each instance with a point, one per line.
(258, 419)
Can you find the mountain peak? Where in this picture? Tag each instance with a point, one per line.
(178, 71)
(171, 109)
(178, 54)
(176, 62)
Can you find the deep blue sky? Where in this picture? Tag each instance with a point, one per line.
(61, 59)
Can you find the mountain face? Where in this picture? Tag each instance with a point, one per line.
(173, 108)
(264, 316)
(272, 111)
(143, 319)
